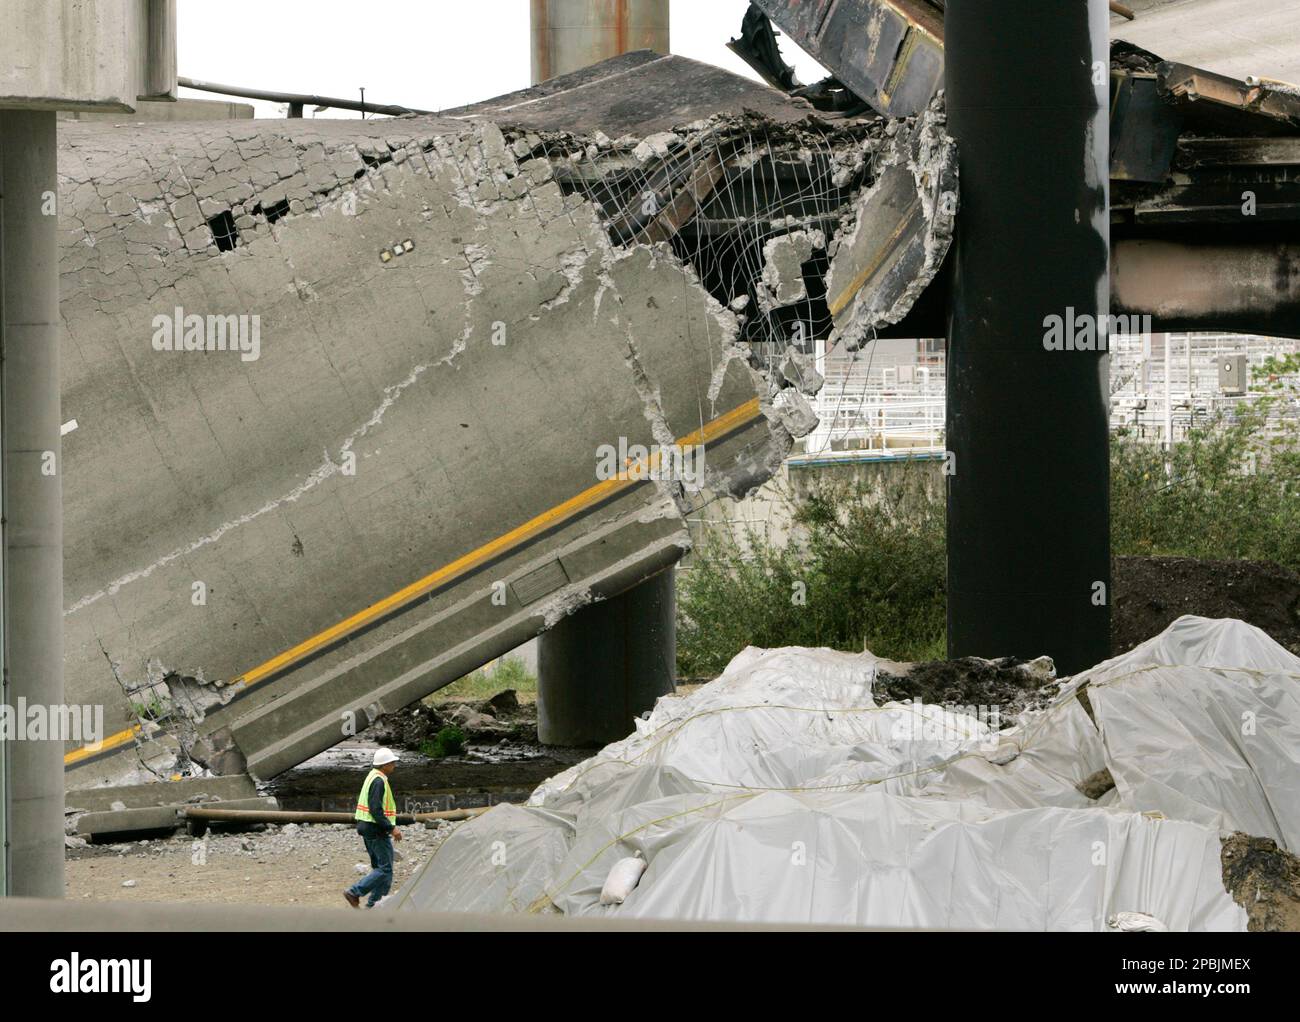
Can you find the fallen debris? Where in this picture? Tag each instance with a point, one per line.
(288, 817)
(1264, 880)
(1094, 786)
(1008, 685)
(502, 718)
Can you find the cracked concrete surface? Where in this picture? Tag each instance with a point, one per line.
(406, 416)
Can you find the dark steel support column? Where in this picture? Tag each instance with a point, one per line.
(606, 664)
(1028, 494)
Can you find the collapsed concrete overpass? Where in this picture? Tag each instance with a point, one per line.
(425, 494)
(268, 546)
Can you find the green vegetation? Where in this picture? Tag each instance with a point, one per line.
(151, 710)
(869, 566)
(508, 672)
(450, 741)
(869, 572)
(1230, 490)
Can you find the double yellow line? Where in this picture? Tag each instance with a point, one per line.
(560, 513)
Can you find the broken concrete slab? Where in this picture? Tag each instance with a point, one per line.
(418, 437)
(902, 231)
(782, 280)
(187, 790)
(108, 824)
(639, 93)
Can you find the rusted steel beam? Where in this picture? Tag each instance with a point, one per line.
(1249, 288)
(1184, 86)
(888, 52)
(686, 203)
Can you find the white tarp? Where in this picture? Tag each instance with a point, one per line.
(783, 792)
(1202, 723)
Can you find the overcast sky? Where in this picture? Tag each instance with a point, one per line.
(431, 54)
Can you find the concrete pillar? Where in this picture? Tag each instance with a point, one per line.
(606, 664)
(32, 487)
(572, 34)
(1028, 497)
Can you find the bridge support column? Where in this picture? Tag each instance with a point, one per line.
(606, 664)
(1028, 490)
(32, 467)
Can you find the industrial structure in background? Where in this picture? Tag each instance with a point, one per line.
(436, 329)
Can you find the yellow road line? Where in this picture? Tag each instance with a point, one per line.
(838, 302)
(555, 515)
(111, 742)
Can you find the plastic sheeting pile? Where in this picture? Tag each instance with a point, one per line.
(782, 792)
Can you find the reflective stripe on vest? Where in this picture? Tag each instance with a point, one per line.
(363, 800)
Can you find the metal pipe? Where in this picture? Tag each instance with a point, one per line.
(568, 35)
(1027, 411)
(299, 100)
(289, 816)
(32, 584)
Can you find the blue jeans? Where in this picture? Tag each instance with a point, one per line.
(379, 880)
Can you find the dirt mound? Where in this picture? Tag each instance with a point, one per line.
(485, 720)
(1008, 684)
(1151, 592)
(1264, 880)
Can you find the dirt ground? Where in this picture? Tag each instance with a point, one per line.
(1008, 684)
(1151, 592)
(1264, 880)
(289, 865)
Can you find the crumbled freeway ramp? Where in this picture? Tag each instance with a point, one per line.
(363, 405)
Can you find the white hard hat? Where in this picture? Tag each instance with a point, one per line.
(385, 756)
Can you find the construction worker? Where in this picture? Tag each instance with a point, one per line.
(376, 818)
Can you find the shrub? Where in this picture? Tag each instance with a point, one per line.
(870, 564)
(1230, 490)
(450, 741)
(868, 571)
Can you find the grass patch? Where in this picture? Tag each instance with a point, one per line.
(508, 672)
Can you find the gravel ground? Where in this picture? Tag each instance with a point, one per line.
(279, 865)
